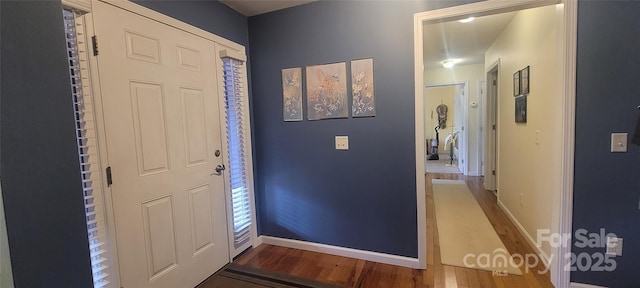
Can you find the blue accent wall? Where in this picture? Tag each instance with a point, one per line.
(363, 198)
(607, 185)
(40, 171)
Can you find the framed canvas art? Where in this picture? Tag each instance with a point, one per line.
(327, 91)
(292, 94)
(364, 101)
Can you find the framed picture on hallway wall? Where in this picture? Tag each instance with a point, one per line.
(521, 109)
(292, 94)
(524, 74)
(516, 83)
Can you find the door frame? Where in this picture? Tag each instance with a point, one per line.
(465, 120)
(482, 91)
(562, 214)
(491, 136)
(234, 48)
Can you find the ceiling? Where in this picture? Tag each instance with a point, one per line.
(256, 7)
(465, 41)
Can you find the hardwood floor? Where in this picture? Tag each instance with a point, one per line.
(359, 273)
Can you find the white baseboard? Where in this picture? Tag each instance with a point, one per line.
(532, 242)
(344, 252)
(580, 285)
(474, 174)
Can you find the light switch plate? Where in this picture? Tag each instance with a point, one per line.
(614, 246)
(618, 142)
(342, 142)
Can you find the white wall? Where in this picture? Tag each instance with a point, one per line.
(528, 173)
(473, 74)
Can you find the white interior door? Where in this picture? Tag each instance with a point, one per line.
(161, 113)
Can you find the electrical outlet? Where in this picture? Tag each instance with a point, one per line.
(614, 246)
(342, 142)
(537, 137)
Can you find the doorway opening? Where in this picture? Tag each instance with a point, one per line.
(445, 119)
(563, 17)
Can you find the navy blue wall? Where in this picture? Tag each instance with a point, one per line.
(607, 185)
(39, 169)
(363, 198)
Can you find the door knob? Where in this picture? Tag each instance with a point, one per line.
(219, 169)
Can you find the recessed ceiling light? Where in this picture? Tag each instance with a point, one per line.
(450, 63)
(467, 20)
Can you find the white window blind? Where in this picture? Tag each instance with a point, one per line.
(77, 51)
(237, 135)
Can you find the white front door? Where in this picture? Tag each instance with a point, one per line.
(160, 103)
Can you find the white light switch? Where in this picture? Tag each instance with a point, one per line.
(342, 142)
(537, 137)
(618, 142)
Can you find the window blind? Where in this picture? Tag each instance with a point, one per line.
(237, 130)
(78, 55)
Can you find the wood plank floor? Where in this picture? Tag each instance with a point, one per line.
(359, 273)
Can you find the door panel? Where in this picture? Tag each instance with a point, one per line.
(160, 103)
(194, 126)
(142, 47)
(201, 218)
(149, 127)
(159, 235)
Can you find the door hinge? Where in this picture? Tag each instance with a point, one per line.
(494, 126)
(493, 172)
(495, 82)
(94, 42)
(109, 177)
